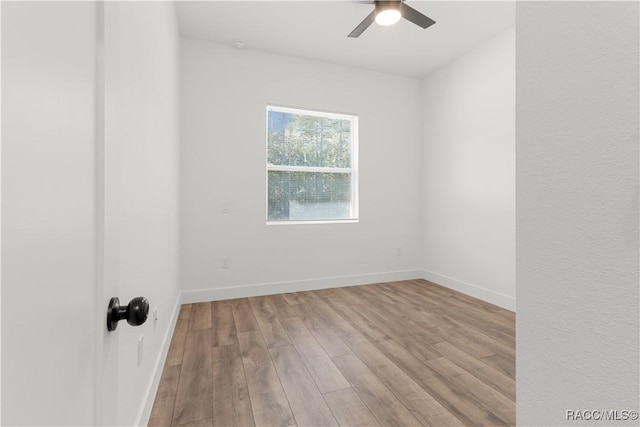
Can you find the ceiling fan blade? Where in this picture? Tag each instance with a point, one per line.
(363, 25)
(410, 14)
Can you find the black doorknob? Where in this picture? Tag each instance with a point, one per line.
(135, 312)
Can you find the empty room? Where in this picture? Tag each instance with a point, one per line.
(320, 213)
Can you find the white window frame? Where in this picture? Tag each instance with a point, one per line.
(353, 170)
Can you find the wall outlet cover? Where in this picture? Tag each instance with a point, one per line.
(140, 349)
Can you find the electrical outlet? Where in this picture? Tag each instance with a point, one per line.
(224, 263)
(398, 251)
(140, 349)
(155, 319)
(225, 207)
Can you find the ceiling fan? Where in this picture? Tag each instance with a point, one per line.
(390, 12)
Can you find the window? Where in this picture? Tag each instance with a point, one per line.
(312, 170)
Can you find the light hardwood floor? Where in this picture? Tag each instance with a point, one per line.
(403, 353)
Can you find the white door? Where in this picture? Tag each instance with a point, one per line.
(89, 206)
(58, 364)
(107, 91)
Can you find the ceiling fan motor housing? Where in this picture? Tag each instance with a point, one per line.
(386, 5)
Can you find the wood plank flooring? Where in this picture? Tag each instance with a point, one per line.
(403, 353)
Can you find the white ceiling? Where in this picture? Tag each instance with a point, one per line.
(318, 30)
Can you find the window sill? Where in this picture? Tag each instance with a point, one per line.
(311, 222)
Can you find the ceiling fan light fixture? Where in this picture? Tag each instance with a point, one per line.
(387, 17)
(387, 12)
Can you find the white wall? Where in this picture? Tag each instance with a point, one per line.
(48, 213)
(469, 172)
(577, 210)
(224, 92)
(142, 181)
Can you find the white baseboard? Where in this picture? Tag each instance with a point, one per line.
(243, 291)
(147, 403)
(216, 294)
(475, 291)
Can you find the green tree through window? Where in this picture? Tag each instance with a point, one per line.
(311, 158)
